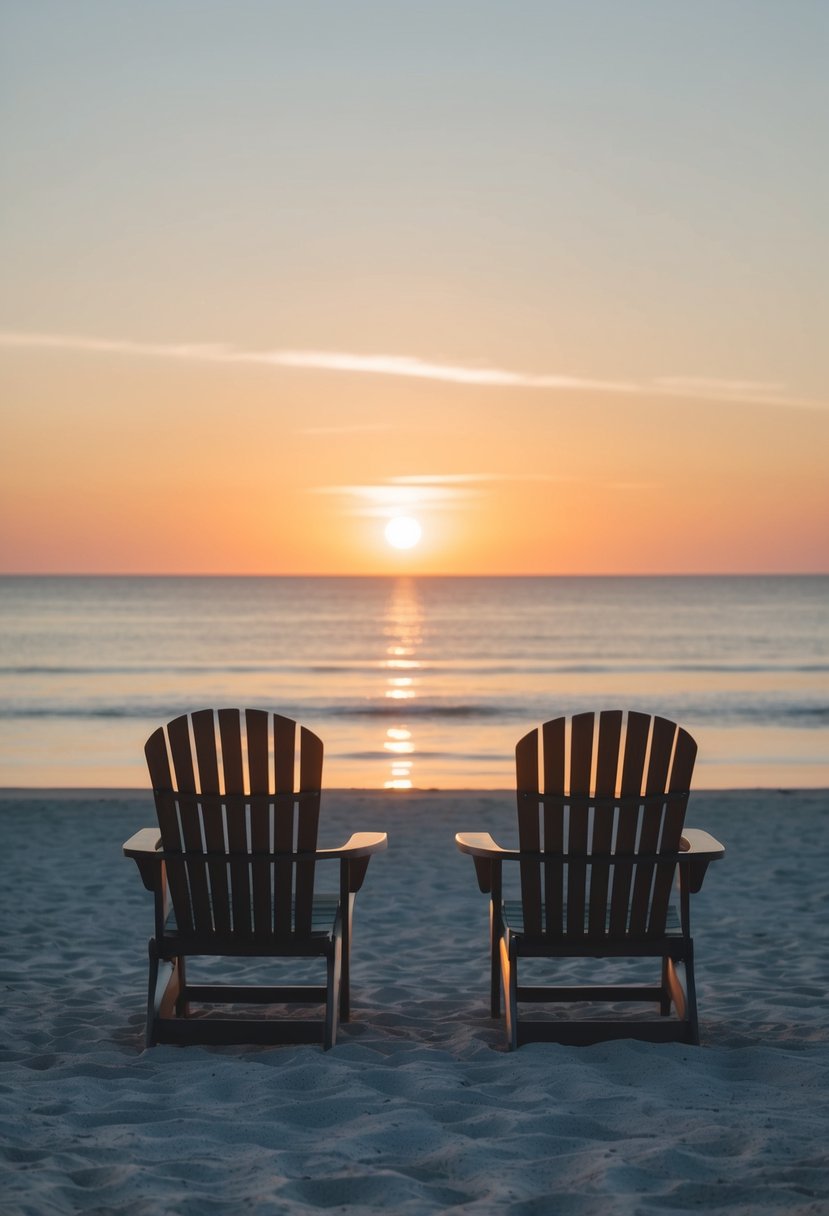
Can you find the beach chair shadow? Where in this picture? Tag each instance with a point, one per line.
(597, 866)
(233, 870)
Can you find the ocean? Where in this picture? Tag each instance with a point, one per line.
(413, 682)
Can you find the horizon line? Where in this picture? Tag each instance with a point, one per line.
(415, 574)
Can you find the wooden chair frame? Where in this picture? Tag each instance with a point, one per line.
(596, 869)
(233, 873)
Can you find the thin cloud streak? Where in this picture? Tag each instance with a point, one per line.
(387, 499)
(419, 369)
(427, 491)
(747, 392)
(449, 479)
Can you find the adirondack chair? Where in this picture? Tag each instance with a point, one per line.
(600, 843)
(233, 871)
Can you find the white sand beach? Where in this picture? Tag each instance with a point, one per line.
(418, 1108)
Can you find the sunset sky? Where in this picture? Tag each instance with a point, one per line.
(549, 277)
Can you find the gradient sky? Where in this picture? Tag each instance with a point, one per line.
(549, 276)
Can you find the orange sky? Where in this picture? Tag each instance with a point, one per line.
(271, 283)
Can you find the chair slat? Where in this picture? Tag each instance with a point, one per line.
(158, 763)
(581, 753)
(636, 746)
(204, 735)
(662, 746)
(682, 769)
(285, 741)
(284, 747)
(262, 871)
(577, 872)
(581, 765)
(189, 815)
(661, 751)
(310, 761)
(230, 735)
(310, 780)
(650, 827)
(191, 831)
(237, 841)
(633, 768)
(526, 763)
(158, 760)
(168, 822)
(230, 731)
(554, 745)
(178, 732)
(663, 878)
(526, 766)
(256, 728)
(607, 758)
(607, 765)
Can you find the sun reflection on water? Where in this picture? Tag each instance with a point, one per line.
(403, 632)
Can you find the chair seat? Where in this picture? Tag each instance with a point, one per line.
(513, 914)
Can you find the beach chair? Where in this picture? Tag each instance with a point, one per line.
(601, 839)
(234, 873)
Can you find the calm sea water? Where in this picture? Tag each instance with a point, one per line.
(425, 682)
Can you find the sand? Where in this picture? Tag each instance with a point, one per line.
(418, 1108)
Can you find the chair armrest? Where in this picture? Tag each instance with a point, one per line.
(142, 848)
(698, 842)
(359, 844)
(146, 840)
(481, 844)
(356, 853)
(487, 856)
(701, 849)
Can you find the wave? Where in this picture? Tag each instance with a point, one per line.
(530, 665)
(166, 712)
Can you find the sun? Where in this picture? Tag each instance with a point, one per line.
(403, 532)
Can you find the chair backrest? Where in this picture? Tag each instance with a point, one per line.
(229, 804)
(590, 789)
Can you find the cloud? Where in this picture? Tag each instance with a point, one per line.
(393, 498)
(426, 491)
(466, 478)
(419, 369)
(412, 367)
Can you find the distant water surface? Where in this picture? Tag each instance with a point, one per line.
(424, 682)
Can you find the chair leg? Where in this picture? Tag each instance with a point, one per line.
(665, 1001)
(152, 984)
(165, 991)
(345, 986)
(333, 993)
(495, 964)
(182, 1003)
(685, 998)
(509, 970)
